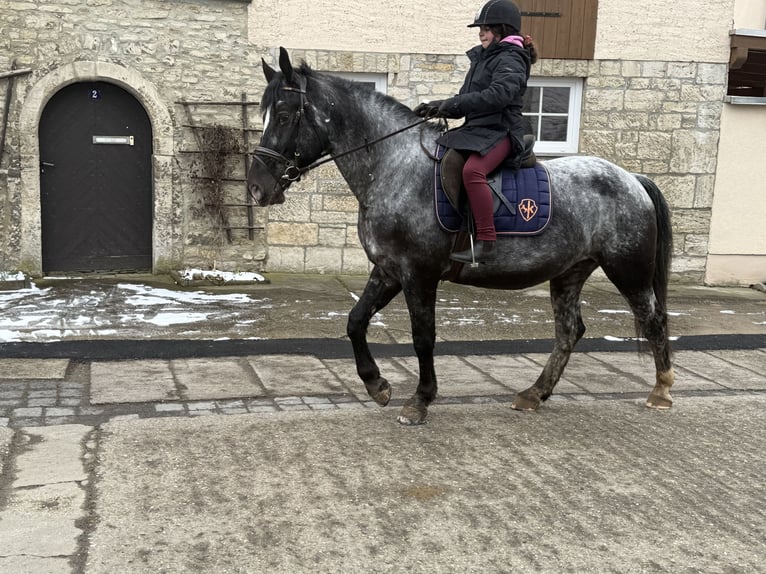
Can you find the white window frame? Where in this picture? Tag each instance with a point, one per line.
(571, 145)
(380, 80)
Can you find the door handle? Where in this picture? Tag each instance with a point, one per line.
(44, 164)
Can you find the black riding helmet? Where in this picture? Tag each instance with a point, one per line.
(498, 12)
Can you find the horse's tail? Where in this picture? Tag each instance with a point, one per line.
(664, 248)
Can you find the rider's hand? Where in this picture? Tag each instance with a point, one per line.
(428, 109)
(450, 108)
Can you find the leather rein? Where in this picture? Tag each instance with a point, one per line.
(292, 172)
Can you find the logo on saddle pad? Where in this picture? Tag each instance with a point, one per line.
(527, 208)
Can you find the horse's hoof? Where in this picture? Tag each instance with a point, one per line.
(659, 399)
(379, 390)
(412, 416)
(523, 402)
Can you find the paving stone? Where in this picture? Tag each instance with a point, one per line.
(33, 368)
(37, 535)
(59, 412)
(322, 406)
(216, 378)
(62, 499)
(294, 407)
(47, 394)
(263, 409)
(295, 375)
(288, 401)
(315, 400)
(35, 565)
(131, 382)
(53, 456)
(70, 402)
(168, 407)
(229, 404)
(234, 410)
(457, 378)
(206, 406)
(49, 402)
(260, 403)
(515, 372)
(733, 370)
(26, 412)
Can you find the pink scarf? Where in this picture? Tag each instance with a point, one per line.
(516, 40)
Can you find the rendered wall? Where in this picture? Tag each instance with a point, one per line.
(737, 252)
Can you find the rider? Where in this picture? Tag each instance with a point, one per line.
(491, 101)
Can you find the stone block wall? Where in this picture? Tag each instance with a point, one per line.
(662, 119)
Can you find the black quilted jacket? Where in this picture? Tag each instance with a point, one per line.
(491, 98)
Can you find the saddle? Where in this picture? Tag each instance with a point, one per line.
(520, 186)
(452, 163)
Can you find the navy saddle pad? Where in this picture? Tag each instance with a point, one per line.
(528, 191)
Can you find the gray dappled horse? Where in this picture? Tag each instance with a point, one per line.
(604, 216)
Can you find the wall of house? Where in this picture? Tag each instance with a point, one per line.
(650, 104)
(737, 253)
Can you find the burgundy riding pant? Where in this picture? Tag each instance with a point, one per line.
(475, 172)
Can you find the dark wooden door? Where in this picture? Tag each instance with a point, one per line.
(95, 180)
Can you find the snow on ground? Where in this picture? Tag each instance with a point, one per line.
(52, 314)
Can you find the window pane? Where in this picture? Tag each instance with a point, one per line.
(531, 125)
(554, 129)
(555, 100)
(532, 100)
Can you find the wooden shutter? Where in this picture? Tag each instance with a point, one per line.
(563, 29)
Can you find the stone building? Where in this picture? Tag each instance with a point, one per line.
(126, 122)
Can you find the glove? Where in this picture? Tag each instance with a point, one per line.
(450, 109)
(428, 109)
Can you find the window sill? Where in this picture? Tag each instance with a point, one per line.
(745, 100)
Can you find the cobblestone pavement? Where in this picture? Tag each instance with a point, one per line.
(44, 392)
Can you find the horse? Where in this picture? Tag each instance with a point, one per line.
(604, 217)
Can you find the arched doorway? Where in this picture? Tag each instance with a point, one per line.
(95, 180)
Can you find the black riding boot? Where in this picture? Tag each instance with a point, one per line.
(483, 252)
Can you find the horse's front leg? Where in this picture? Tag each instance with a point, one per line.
(378, 292)
(421, 302)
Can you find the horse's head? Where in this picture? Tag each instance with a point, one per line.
(292, 139)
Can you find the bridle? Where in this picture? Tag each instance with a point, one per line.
(292, 172)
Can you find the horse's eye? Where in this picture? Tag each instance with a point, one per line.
(283, 118)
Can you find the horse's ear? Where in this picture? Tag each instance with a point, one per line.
(285, 65)
(268, 71)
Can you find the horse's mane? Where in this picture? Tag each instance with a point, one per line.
(271, 94)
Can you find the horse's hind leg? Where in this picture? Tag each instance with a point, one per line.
(652, 323)
(565, 296)
(378, 292)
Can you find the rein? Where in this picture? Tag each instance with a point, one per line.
(294, 173)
